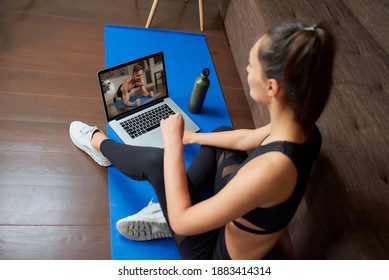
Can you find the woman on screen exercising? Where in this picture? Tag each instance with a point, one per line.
(255, 194)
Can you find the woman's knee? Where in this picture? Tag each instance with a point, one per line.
(154, 158)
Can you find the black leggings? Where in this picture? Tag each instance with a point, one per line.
(210, 167)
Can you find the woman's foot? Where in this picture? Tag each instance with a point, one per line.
(147, 224)
(81, 135)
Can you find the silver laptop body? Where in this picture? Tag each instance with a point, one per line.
(131, 123)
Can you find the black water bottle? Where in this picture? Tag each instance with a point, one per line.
(199, 92)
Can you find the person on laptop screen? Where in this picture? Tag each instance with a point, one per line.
(258, 177)
(132, 82)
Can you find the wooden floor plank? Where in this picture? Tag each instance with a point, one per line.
(54, 243)
(49, 205)
(37, 31)
(227, 74)
(45, 108)
(49, 83)
(237, 108)
(32, 136)
(23, 168)
(52, 61)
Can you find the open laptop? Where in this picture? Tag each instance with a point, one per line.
(135, 115)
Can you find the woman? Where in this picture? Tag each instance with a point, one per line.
(256, 195)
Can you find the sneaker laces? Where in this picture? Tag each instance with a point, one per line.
(87, 130)
(151, 202)
(150, 205)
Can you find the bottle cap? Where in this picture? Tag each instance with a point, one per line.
(205, 72)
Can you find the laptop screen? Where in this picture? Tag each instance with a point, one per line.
(131, 86)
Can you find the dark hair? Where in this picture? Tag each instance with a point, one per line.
(301, 59)
(137, 68)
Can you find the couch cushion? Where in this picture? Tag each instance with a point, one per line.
(374, 16)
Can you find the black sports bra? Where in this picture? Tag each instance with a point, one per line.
(303, 156)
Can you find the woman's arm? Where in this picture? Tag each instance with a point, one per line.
(176, 184)
(245, 192)
(239, 139)
(263, 181)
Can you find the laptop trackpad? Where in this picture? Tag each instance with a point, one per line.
(151, 139)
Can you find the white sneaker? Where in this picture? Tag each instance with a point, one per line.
(147, 224)
(81, 135)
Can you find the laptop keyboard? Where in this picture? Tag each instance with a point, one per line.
(146, 121)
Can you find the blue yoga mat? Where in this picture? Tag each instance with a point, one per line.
(186, 54)
(143, 100)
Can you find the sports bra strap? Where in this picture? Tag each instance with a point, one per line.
(243, 227)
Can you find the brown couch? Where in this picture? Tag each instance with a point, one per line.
(345, 212)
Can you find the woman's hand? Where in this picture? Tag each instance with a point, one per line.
(173, 129)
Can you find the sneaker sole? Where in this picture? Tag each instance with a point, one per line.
(96, 158)
(142, 231)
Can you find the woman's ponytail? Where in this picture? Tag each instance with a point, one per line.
(301, 58)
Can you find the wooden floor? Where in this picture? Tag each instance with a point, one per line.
(53, 198)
